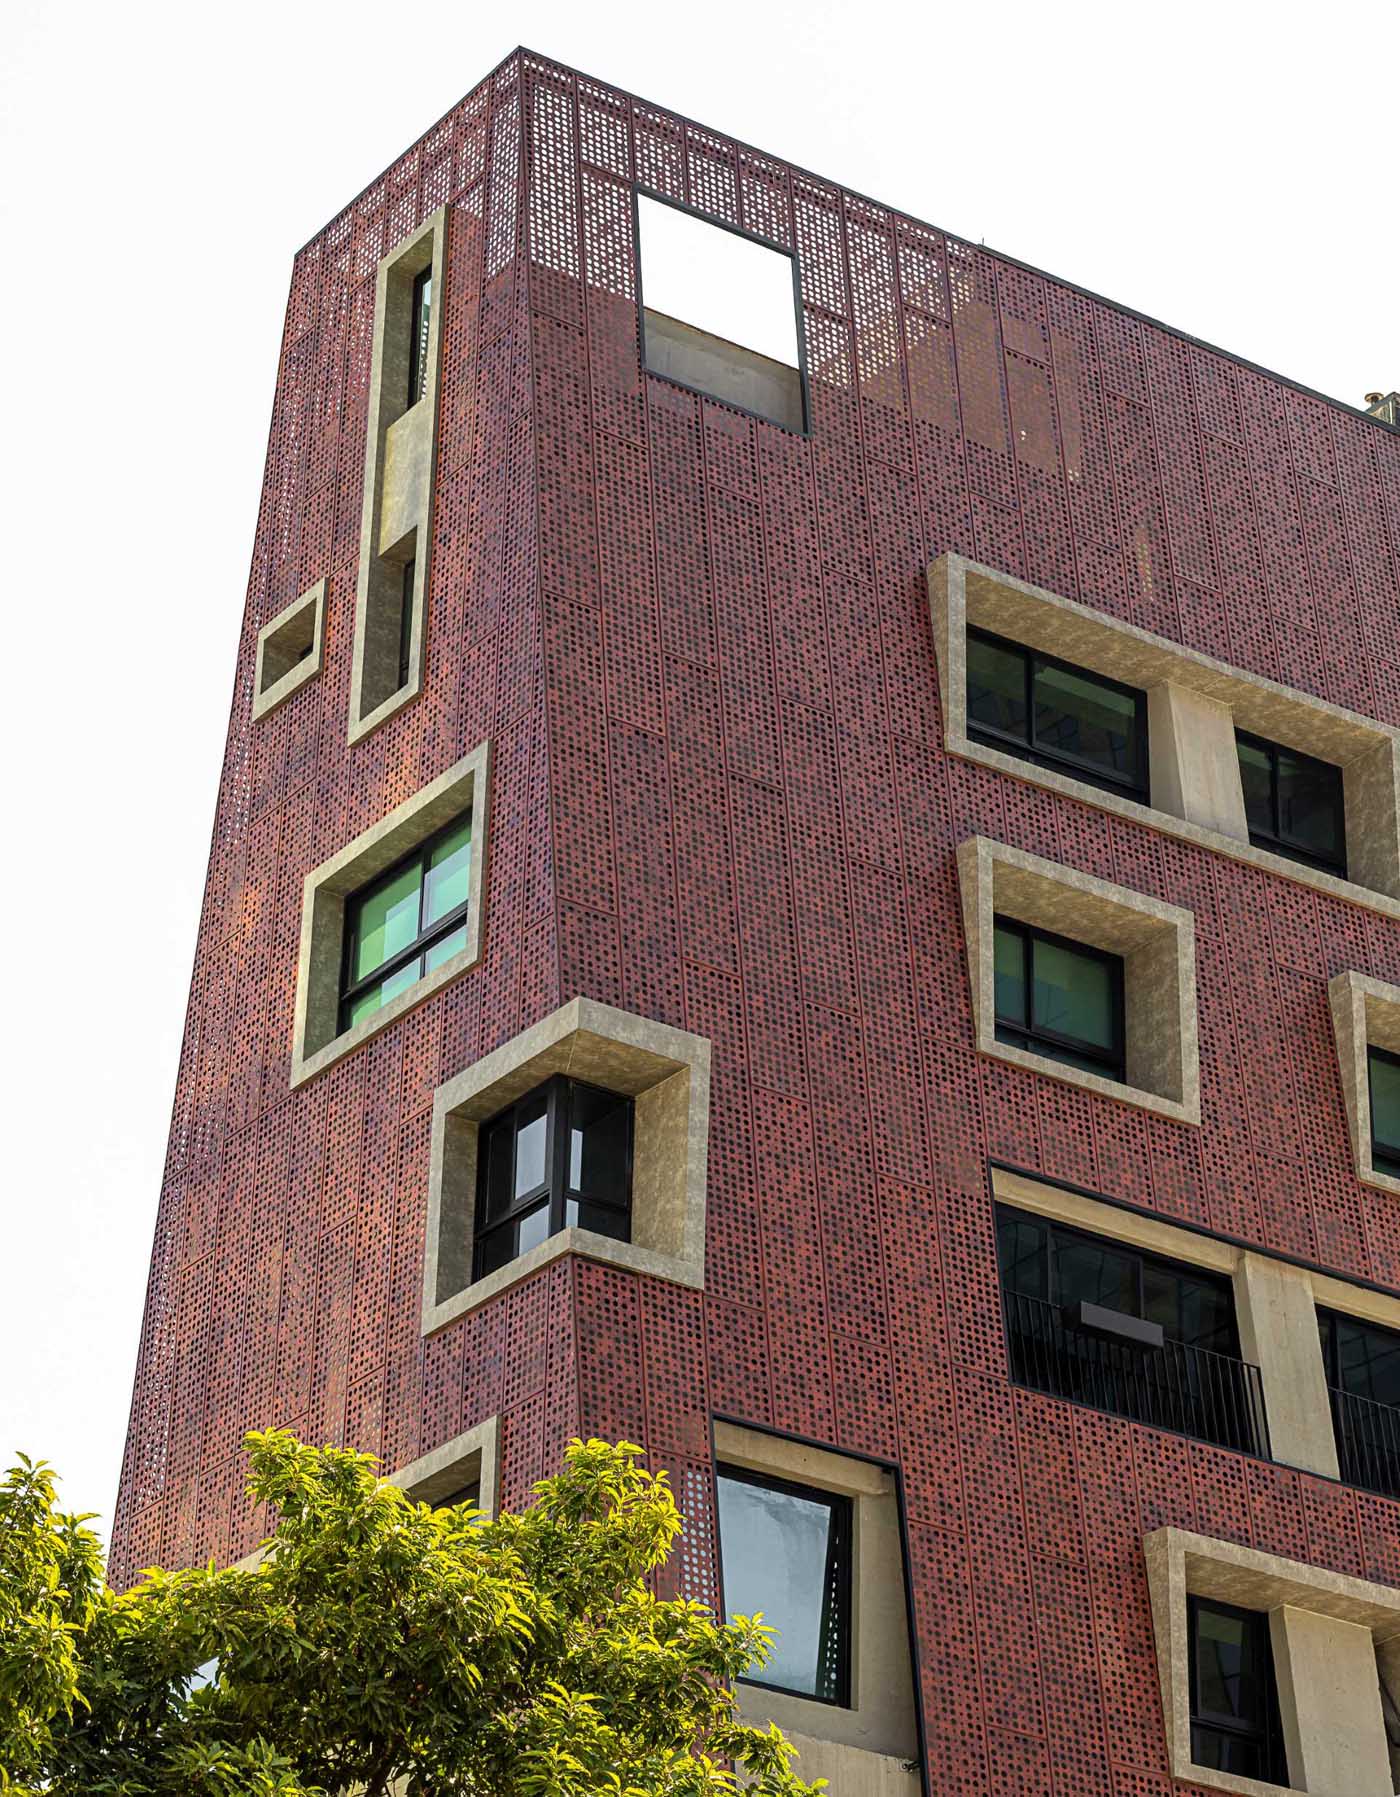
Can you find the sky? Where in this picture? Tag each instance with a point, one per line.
(1213, 166)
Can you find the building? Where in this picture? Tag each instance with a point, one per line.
(837, 915)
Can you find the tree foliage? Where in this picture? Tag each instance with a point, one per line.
(380, 1646)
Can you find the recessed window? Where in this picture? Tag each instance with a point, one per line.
(1056, 714)
(786, 1551)
(407, 923)
(465, 1494)
(1383, 1073)
(1293, 803)
(289, 651)
(420, 317)
(410, 571)
(1059, 998)
(1235, 1723)
(1103, 1324)
(720, 312)
(1362, 1363)
(559, 1158)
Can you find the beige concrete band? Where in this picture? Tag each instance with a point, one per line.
(1365, 1012)
(1196, 793)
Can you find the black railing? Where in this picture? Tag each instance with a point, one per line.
(1213, 1397)
(1368, 1442)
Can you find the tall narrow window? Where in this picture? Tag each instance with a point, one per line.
(1383, 1071)
(420, 317)
(1056, 714)
(785, 1550)
(558, 1158)
(1235, 1724)
(1060, 999)
(1362, 1363)
(1293, 803)
(409, 921)
(410, 568)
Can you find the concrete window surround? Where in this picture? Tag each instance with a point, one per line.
(665, 1071)
(862, 1751)
(1365, 1013)
(1332, 1637)
(317, 1041)
(1156, 941)
(1276, 1306)
(472, 1458)
(1194, 705)
(290, 649)
(400, 462)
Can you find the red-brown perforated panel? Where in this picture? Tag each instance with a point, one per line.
(700, 647)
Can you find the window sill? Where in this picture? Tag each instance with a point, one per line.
(306, 1067)
(1096, 1083)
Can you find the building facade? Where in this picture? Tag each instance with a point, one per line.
(836, 915)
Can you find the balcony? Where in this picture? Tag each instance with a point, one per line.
(1192, 1391)
(1368, 1442)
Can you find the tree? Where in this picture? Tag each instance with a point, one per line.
(380, 1646)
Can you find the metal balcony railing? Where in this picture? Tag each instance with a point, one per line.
(1368, 1442)
(1212, 1397)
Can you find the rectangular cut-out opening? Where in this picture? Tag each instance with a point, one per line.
(1366, 1018)
(465, 1469)
(289, 650)
(721, 312)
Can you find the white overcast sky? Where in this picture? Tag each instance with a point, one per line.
(1229, 169)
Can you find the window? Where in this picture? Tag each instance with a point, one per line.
(720, 312)
(289, 651)
(1293, 803)
(465, 1494)
(1362, 1363)
(1059, 998)
(1056, 714)
(420, 316)
(410, 569)
(410, 921)
(785, 1550)
(1106, 1325)
(1383, 1071)
(1235, 1723)
(559, 1158)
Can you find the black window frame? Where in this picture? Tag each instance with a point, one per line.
(1113, 1061)
(422, 942)
(840, 1546)
(410, 572)
(1385, 1156)
(1092, 773)
(553, 1191)
(1273, 840)
(1269, 1736)
(420, 320)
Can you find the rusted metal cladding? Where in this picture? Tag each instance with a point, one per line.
(700, 646)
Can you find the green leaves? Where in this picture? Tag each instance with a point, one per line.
(380, 1644)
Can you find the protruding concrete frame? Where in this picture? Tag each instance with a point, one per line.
(1365, 1012)
(290, 650)
(1327, 1631)
(665, 1071)
(400, 463)
(1157, 943)
(864, 1750)
(1194, 705)
(472, 1457)
(317, 1041)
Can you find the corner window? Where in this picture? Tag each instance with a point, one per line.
(559, 1158)
(1362, 1364)
(408, 922)
(1059, 998)
(1383, 1073)
(1102, 1324)
(420, 316)
(1058, 715)
(1293, 803)
(720, 312)
(785, 1551)
(1235, 1723)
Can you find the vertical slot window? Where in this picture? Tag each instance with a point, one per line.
(420, 317)
(1235, 1723)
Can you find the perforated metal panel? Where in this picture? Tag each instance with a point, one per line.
(700, 647)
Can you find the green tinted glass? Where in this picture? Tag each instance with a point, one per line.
(1072, 994)
(1010, 977)
(386, 921)
(1310, 805)
(448, 869)
(1256, 777)
(370, 1001)
(451, 944)
(1385, 1105)
(996, 687)
(1077, 715)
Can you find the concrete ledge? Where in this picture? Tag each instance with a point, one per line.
(474, 1457)
(1365, 1011)
(290, 649)
(740, 377)
(665, 1071)
(1157, 943)
(1195, 781)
